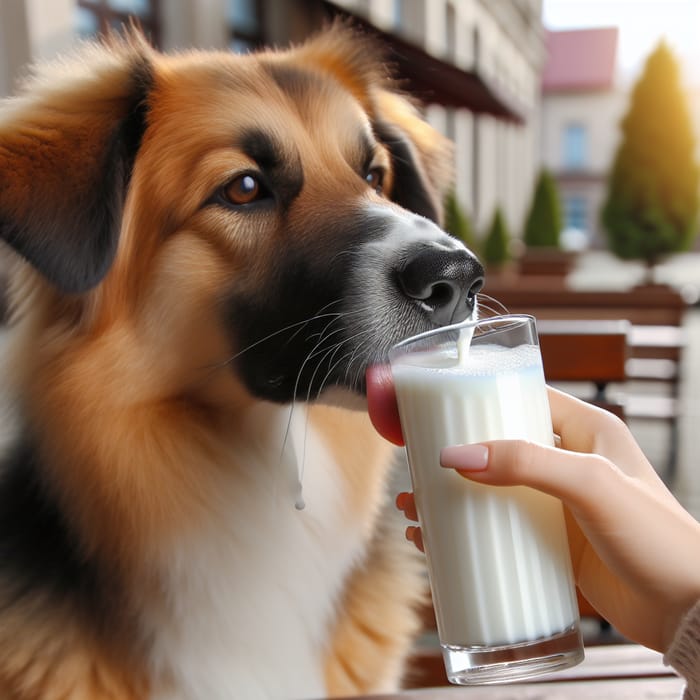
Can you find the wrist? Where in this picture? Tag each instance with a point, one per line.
(671, 627)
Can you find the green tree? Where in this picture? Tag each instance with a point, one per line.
(496, 245)
(652, 201)
(457, 222)
(543, 223)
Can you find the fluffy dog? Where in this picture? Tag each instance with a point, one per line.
(210, 250)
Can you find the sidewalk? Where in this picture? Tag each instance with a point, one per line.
(602, 270)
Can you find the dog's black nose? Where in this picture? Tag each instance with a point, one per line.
(445, 282)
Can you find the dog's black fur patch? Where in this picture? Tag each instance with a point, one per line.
(41, 559)
(306, 296)
(74, 242)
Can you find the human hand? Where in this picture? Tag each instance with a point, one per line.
(634, 548)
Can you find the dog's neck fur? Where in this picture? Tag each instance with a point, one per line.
(207, 641)
(180, 523)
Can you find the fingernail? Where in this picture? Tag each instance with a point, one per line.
(468, 457)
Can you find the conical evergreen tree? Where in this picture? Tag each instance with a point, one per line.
(543, 223)
(652, 202)
(457, 221)
(496, 245)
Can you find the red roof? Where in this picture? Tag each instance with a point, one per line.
(580, 60)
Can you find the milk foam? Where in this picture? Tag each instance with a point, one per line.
(498, 557)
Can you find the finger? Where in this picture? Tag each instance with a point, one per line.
(414, 534)
(406, 503)
(569, 476)
(601, 497)
(577, 422)
(583, 427)
(381, 403)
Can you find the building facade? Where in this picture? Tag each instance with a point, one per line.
(582, 105)
(493, 50)
(496, 159)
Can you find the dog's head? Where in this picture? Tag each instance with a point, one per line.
(274, 215)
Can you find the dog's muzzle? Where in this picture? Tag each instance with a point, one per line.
(329, 311)
(426, 276)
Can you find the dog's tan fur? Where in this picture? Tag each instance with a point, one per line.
(126, 385)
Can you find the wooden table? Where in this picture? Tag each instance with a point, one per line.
(615, 672)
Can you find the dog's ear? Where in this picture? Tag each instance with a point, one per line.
(421, 156)
(67, 147)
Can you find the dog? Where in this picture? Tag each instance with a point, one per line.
(208, 252)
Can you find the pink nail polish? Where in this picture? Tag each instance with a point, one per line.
(467, 457)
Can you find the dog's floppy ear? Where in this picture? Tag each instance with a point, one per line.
(421, 156)
(67, 146)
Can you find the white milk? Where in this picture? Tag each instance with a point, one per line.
(498, 558)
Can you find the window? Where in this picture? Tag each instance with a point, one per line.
(99, 16)
(476, 49)
(246, 25)
(409, 19)
(398, 13)
(575, 146)
(451, 32)
(363, 7)
(575, 212)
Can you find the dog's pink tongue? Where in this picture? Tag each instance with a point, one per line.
(381, 403)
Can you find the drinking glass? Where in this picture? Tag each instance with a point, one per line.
(498, 557)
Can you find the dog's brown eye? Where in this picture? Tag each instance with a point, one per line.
(243, 190)
(375, 179)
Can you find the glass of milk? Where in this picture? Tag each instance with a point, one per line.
(498, 557)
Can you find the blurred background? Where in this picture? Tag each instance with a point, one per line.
(517, 84)
(576, 126)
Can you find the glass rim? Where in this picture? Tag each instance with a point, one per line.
(514, 318)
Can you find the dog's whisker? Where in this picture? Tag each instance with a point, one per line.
(341, 253)
(316, 316)
(288, 427)
(358, 348)
(328, 353)
(350, 354)
(300, 325)
(308, 357)
(323, 333)
(490, 311)
(499, 307)
(316, 352)
(301, 468)
(348, 369)
(335, 364)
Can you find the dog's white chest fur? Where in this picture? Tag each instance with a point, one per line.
(251, 596)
